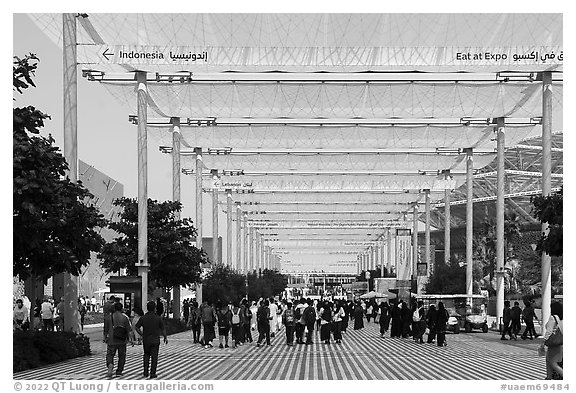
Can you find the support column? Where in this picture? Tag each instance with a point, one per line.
(427, 231)
(176, 198)
(447, 222)
(469, 219)
(238, 237)
(389, 249)
(70, 67)
(546, 187)
(199, 232)
(382, 258)
(215, 257)
(143, 185)
(263, 253)
(415, 245)
(500, 144)
(252, 256)
(245, 266)
(199, 167)
(229, 228)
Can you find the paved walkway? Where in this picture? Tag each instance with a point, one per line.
(363, 355)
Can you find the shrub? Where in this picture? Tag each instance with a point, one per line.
(33, 349)
(174, 325)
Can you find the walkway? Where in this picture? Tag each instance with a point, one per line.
(362, 355)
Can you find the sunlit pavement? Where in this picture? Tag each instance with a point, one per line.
(362, 355)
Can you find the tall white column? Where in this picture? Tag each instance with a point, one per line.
(70, 107)
(176, 197)
(469, 219)
(500, 144)
(389, 257)
(427, 231)
(143, 184)
(238, 237)
(215, 257)
(447, 224)
(546, 187)
(415, 244)
(252, 256)
(245, 265)
(199, 168)
(229, 228)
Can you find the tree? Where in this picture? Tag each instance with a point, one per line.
(447, 279)
(54, 230)
(269, 283)
(224, 284)
(172, 258)
(548, 209)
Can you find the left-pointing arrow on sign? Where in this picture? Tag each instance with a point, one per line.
(106, 55)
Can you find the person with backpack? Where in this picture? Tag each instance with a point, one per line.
(419, 323)
(300, 322)
(309, 315)
(289, 321)
(325, 322)
(224, 316)
(516, 314)
(263, 317)
(236, 323)
(118, 335)
(553, 340)
(384, 320)
(441, 322)
(507, 321)
(208, 316)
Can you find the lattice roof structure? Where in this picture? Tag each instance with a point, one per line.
(311, 116)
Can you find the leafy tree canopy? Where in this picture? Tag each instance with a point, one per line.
(268, 284)
(224, 284)
(54, 231)
(549, 210)
(172, 258)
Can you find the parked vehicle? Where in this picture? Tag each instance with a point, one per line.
(467, 312)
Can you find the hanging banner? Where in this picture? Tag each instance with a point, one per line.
(403, 257)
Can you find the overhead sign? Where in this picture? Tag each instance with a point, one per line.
(377, 57)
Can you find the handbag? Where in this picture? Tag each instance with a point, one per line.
(556, 338)
(118, 332)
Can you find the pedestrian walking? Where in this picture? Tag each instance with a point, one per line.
(431, 320)
(419, 320)
(369, 310)
(263, 317)
(507, 321)
(195, 321)
(339, 314)
(325, 322)
(274, 314)
(224, 316)
(247, 320)
(406, 316)
(117, 337)
(236, 324)
(107, 310)
(529, 315)
(94, 303)
(47, 315)
(21, 316)
(186, 311)
(300, 322)
(346, 318)
(135, 316)
(358, 316)
(441, 322)
(159, 307)
(208, 316)
(150, 326)
(59, 315)
(396, 329)
(553, 342)
(516, 315)
(289, 322)
(82, 312)
(384, 320)
(309, 318)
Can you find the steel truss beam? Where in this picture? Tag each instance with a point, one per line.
(493, 197)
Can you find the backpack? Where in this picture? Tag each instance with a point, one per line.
(261, 314)
(556, 338)
(309, 315)
(289, 317)
(236, 318)
(416, 316)
(223, 318)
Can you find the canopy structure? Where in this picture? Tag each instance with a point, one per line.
(339, 130)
